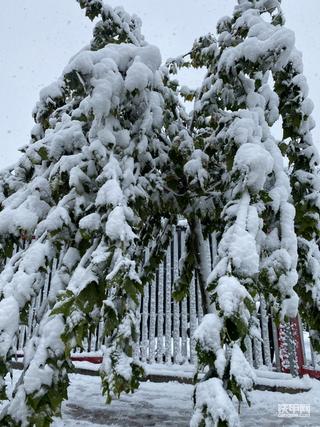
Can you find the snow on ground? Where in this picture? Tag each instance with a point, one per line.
(170, 404)
(264, 408)
(154, 404)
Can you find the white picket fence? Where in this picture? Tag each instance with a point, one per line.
(167, 327)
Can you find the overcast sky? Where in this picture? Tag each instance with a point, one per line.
(39, 36)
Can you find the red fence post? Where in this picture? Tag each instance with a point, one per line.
(298, 337)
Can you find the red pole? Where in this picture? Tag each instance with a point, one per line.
(298, 337)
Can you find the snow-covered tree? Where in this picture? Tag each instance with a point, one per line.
(87, 195)
(303, 157)
(246, 194)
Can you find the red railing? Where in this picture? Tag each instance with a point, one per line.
(296, 361)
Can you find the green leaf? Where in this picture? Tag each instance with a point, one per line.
(43, 153)
(265, 197)
(8, 248)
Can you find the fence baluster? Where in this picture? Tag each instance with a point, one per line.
(176, 305)
(199, 309)
(249, 355)
(160, 316)
(184, 302)
(257, 348)
(152, 319)
(193, 319)
(265, 332)
(276, 346)
(168, 335)
(145, 315)
(137, 349)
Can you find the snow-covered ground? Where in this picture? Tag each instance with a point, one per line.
(154, 404)
(170, 404)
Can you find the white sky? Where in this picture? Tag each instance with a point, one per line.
(39, 36)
